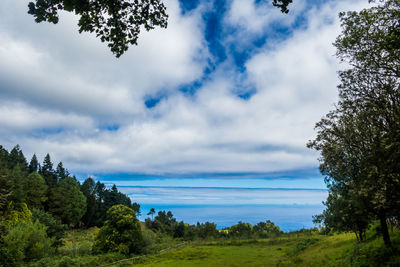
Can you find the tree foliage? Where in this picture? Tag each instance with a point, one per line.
(24, 242)
(118, 23)
(359, 141)
(120, 233)
(67, 202)
(35, 189)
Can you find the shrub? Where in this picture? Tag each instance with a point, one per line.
(24, 242)
(120, 233)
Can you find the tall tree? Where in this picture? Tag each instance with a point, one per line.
(35, 189)
(88, 188)
(360, 140)
(48, 172)
(61, 172)
(34, 164)
(16, 157)
(67, 202)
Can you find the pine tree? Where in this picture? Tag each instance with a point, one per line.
(34, 164)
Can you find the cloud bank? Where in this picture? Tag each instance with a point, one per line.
(173, 104)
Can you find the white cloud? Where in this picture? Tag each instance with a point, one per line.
(73, 82)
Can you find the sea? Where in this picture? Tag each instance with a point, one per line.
(211, 200)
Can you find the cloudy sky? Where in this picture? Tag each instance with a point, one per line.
(231, 88)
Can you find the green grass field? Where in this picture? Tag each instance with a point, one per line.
(300, 251)
(295, 250)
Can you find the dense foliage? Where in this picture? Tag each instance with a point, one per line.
(38, 203)
(359, 141)
(121, 232)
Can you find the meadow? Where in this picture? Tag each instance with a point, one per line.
(293, 249)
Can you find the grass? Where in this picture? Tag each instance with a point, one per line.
(295, 250)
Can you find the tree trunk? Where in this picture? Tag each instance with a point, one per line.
(385, 231)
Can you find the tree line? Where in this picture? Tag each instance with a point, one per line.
(359, 140)
(38, 202)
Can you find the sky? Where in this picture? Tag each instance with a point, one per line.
(231, 89)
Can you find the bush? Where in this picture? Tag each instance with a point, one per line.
(54, 227)
(24, 242)
(121, 232)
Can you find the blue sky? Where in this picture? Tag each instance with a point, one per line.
(228, 94)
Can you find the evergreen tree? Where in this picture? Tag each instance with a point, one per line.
(61, 172)
(48, 173)
(34, 164)
(35, 189)
(16, 157)
(67, 202)
(88, 188)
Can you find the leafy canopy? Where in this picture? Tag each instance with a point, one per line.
(118, 23)
(120, 233)
(359, 141)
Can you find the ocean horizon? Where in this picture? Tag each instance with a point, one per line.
(289, 208)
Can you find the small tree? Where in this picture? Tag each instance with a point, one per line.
(121, 232)
(151, 212)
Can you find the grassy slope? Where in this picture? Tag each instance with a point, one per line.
(301, 251)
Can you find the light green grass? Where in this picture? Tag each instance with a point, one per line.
(312, 250)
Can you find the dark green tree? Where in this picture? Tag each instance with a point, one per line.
(360, 140)
(118, 23)
(34, 164)
(282, 4)
(345, 211)
(151, 212)
(179, 230)
(241, 230)
(35, 189)
(25, 241)
(55, 229)
(266, 229)
(48, 172)
(16, 157)
(120, 233)
(61, 172)
(16, 177)
(67, 202)
(88, 188)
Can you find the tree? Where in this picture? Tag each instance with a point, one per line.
(48, 173)
(35, 189)
(34, 164)
(89, 190)
(282, 4)
(25, 241)
(61, 172)
(345, 211)
(360, 140)
(120, 233)
(118, 23)
(54, 228)
(67, 202)
(266, 229)
(16, 157)
(151, 212)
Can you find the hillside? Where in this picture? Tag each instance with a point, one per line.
(293, 249)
